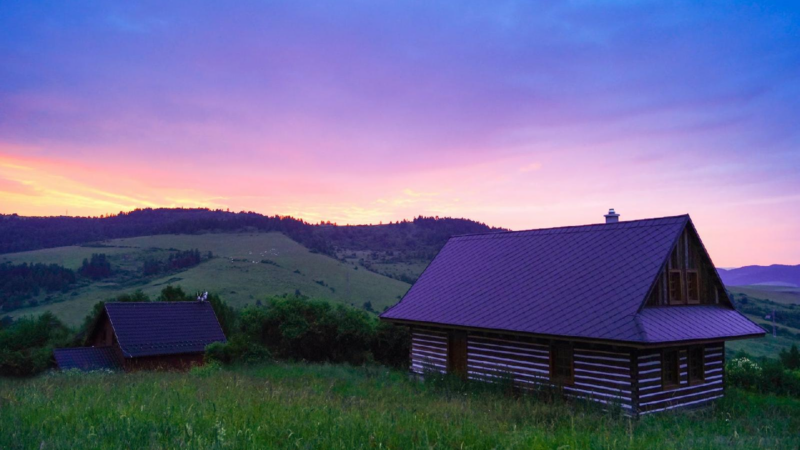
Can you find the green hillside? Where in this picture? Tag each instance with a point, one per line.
(757, 302)
(246, 267)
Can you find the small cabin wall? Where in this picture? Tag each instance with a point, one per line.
(627, 377)
(103, 335)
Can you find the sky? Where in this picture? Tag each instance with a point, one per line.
(518, 114)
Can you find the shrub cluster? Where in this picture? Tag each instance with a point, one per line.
(767, 376)
(26, 346)
(293, 327)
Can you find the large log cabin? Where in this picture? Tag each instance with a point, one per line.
(146, 335)
(626, 313)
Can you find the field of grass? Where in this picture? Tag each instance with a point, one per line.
(760, 297)
(246, 268)
(338, 407)
(401, 268)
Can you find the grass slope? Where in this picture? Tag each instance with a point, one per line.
(337, 407)
(237, 272)
(761, 297)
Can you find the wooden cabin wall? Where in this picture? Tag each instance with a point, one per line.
(494, 357)
(652, 395)
(627, 377)
(604, 376)
(428, 350)
(601, 373)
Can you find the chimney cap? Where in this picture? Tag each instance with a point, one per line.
(612, 216)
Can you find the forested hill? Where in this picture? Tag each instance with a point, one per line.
(422, 236)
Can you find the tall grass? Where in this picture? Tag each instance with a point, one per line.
(340, 407)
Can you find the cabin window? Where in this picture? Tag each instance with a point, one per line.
(693, 286)
(561, 367)
(670, 369)
(697, 371)
(675, 287)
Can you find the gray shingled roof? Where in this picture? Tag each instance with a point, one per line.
(587, 281)
(163, 328)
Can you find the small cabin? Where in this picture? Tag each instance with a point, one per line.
(630, 313)
(146, 335)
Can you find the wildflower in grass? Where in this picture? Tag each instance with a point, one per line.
(220, 430)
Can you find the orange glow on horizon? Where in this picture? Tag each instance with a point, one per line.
(496, 192)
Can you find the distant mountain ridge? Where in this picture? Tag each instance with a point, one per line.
(776, 274)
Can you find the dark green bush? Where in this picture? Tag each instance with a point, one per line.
(767, 376)
(391, 345)
(298, 328)
(26, 346)
(238, 349)
(226, 315)
(791, 358)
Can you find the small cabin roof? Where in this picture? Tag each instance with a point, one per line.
(163, 328)
(587, 281)
(87, 358)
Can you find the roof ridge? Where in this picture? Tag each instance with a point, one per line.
(573, 228)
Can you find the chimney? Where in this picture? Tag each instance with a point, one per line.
(612, 217)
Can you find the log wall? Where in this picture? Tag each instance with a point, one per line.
(428, 350)
(652, 395)
(620, 376)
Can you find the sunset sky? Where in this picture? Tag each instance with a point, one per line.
(518, 114)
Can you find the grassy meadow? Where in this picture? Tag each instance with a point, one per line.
(341, 407)
(247, 267)
(758, 301)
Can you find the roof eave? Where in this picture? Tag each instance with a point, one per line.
(617, 342)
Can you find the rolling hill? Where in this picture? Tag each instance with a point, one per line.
(246, 267)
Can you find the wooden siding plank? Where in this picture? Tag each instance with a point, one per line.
(428, 350)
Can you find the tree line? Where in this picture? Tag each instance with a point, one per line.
(176, 261)
(21, 282)
(419, 238)
(96, 268)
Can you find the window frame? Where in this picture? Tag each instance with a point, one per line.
(667, 384)
(690, 299)
(556, 354)
(690, 364)
(681, 300)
